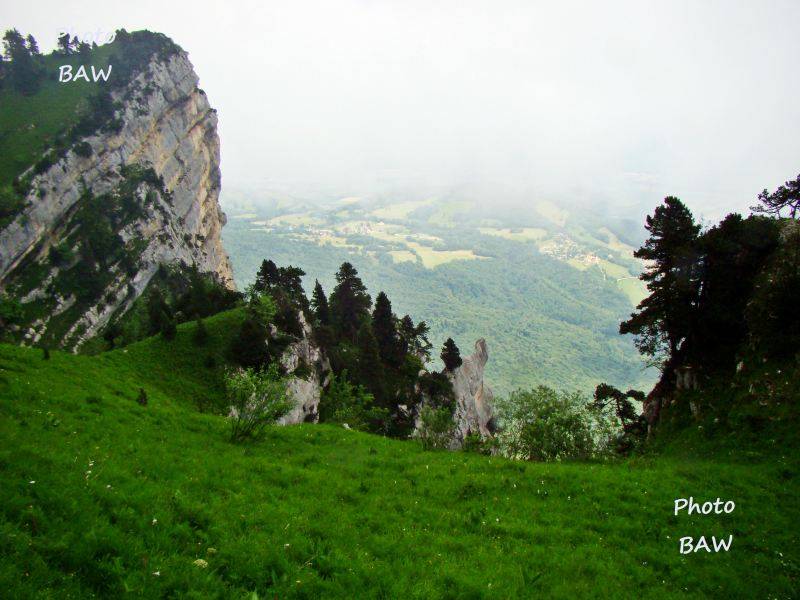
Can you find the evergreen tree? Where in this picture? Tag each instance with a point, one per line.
(733, 253)
(84, 50)
(33, 47)
(415, 338)
(451, 356)
(249, 347)
(370, 370)
(266, 277)
(23, 73)
(349, 302)
(64, 44)
(319, 302)
(385, 332)
(664, 319)
(786, 196)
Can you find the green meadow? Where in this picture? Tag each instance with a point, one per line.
(103, 496)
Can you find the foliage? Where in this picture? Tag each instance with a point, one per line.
(544, 321)
(345, 403)
(772, 312)
(436, 428)
(543, 424)
(349, 302)
(451, 356)
(373, 512)
(257, 399)
(787, 196)
(663, 320)
(634, 426)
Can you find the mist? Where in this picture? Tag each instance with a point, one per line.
(612, 106)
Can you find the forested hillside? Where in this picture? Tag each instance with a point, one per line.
(547, 305)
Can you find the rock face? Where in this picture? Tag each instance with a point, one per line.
(473, 412)
(168, 125)
(303, 360)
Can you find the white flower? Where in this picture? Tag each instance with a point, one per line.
(156, 573)
(154, 521)
(201, 563)
(32, 481)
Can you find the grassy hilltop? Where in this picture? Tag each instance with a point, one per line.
(100, 495)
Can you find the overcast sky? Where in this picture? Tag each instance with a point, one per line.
(622, 102)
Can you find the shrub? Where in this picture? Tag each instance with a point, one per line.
(436, 428)
(542, 424)
(343, 402)
(256, 399)
(83, 149)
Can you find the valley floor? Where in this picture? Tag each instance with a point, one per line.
(100, 495)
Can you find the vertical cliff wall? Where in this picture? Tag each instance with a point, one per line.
(153, 177)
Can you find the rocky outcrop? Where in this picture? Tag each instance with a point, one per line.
(167, 124)
(473, 413)
(309, 371)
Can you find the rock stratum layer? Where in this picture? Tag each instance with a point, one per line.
(473, 413)
(164, 124)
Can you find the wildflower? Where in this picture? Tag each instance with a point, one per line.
(211, 550)
(154, 521)
(156, 573)
(32, 481)
(200, 563)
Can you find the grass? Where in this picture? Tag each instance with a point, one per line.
(30, 124)
(522, 234)
(100, 495)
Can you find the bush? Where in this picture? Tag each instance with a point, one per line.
(542, 424)
(342, 402)
(436, 428)
(256, 399)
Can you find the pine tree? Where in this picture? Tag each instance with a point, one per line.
(451, 356)
(349, 302)
(319, 302)
(64, 44)
(249, 347)
(370, 370)
(786, 196)
(267, 276)
(385, 331)
(33, 47)
(664, 319)
(23, 73)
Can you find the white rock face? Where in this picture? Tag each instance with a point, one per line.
(305, 391)
(473, 412)
(167, 124)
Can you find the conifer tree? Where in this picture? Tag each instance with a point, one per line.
(370, 370)
(349, 302)
(451, 355)
(23, 72)
(385, 331)
(786, 196)
(266, 277)
(319, 302)
(33, 46)
(664, 318)
(64, 45)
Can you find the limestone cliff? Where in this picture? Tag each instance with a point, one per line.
(473, 414)
(155, 176)
(308, 372)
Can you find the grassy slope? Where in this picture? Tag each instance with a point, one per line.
(29, 124)
(98, 493)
